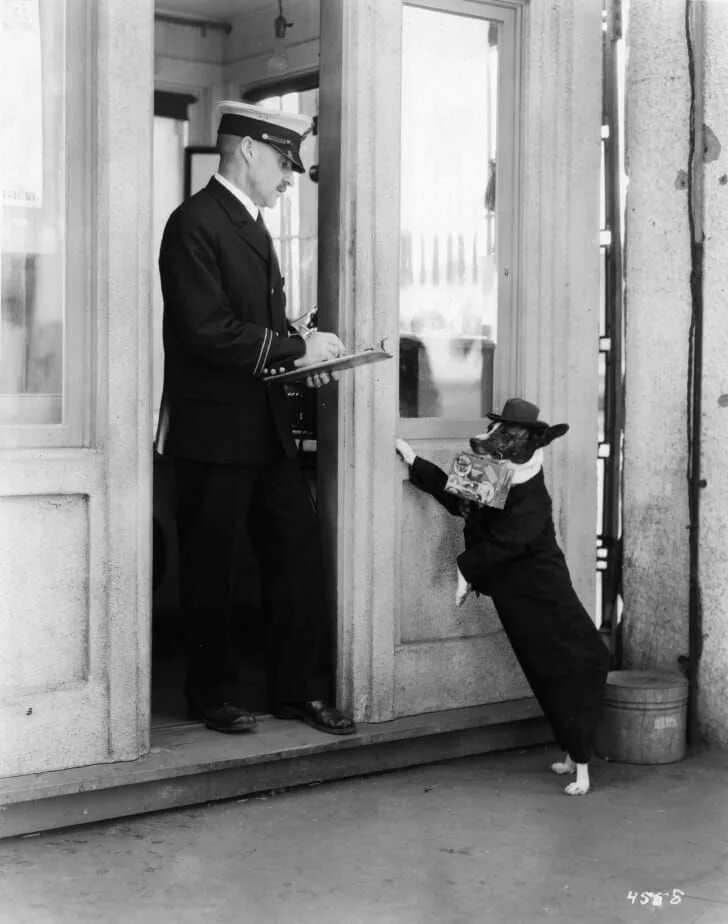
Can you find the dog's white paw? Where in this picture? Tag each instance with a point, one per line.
(580, 786)
(462, 591)
(574, 789)
(405, 451)
(566, 765)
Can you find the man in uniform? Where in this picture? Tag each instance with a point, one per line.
(229, 432)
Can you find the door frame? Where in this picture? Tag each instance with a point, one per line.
(96, 707)
(556, 297)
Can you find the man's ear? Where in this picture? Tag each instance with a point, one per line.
(551, 433)
(246, 148)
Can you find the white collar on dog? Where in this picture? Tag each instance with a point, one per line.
(527, 470)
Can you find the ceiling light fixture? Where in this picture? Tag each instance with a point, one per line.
(278, 61)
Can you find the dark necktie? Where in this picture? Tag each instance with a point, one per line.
(269, 240)
(273, 268)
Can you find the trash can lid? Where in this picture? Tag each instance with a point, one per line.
(660, 680)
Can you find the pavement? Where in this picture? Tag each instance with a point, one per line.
(481, 839)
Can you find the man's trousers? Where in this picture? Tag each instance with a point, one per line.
(216, 505)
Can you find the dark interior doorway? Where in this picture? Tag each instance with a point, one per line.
(294, 227)
(183, 162)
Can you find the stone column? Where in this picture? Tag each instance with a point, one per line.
(657, 321)
(713, 536)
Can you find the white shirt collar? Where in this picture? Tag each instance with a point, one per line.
(239, 195)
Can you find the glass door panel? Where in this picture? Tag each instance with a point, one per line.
(449, 292)
(44, 223)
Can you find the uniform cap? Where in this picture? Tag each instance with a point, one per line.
(283, 131)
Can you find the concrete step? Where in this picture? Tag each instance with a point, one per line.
(187, 764)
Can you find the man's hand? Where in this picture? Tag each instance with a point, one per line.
(321, 378)
(463, 589)
(320, 346)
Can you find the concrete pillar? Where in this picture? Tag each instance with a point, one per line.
(713, 571)
(657, 320)
(659, 314)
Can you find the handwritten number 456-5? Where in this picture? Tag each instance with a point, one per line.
(673, 897)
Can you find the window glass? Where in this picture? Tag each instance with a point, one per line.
(293, 223)
(170, 140)
(448, 279)
(32, 244)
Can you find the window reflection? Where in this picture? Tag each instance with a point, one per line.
(293, 223)
(448, 280)
(32, 212)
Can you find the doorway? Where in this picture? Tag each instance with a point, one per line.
(180, 170)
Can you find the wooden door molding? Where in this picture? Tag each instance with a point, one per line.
(554, 325)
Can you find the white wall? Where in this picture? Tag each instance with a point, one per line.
(188, 60)
(251, 42)
(211, 65)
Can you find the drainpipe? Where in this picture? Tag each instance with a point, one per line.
(694, 34)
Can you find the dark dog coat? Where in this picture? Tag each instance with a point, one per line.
(512, 556)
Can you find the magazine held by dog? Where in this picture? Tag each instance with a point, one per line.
(479, 479)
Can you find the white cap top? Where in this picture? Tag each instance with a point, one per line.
(284, 131)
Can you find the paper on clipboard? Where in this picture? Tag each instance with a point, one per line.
(350, 361)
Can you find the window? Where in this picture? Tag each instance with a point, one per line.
(453, 110)
(293, 223)
(44, 222)
(169, 143)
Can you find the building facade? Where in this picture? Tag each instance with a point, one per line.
(77, 463)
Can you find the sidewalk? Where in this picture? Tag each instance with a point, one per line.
(480, 839)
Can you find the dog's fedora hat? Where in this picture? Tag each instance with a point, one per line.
(521, 412)
(283, 131)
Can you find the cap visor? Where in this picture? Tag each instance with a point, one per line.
(294, 159)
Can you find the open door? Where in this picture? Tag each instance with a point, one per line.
(456, 323)
(446, 231)
(180, 170)
(74, 399)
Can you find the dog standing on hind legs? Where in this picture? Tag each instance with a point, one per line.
(512, 556)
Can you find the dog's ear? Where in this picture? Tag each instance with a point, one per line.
(551, 433)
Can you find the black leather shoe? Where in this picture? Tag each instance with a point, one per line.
(225, 717)
(318, 715)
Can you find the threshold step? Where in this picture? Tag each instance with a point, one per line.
(188, 764)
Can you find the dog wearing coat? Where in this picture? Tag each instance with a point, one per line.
(512, 556)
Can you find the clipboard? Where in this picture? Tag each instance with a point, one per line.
(350, 361)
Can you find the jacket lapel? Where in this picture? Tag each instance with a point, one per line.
(253, 234)
(256, 235)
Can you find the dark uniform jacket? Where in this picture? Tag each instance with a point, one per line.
(224, 327)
